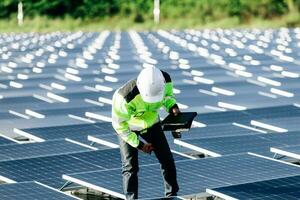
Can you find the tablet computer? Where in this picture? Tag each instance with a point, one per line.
(180, 122)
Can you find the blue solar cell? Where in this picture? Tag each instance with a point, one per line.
(46, 170)
(30, 190)
(194, 176)
(224, 117)
(71, 131)
(40, 149)
(275, 112)
(259, 143)
(282, 188)
(247, 115)
(4, 141)
(289, 138)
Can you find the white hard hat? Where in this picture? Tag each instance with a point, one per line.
(151, 84)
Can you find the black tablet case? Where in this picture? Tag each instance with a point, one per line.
(181, 122)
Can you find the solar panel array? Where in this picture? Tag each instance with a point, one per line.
(49, 169)
(194, 176)
(56, 89)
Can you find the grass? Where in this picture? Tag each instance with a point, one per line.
(44, 24)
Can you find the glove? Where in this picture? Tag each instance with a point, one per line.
(147, 148)
(174, 110)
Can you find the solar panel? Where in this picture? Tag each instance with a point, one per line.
(31, 190)
(244, 116)
(71, 131)
(194, 176)
(224, 117)
(259, 144)
(49, 169)
(289, 138)
(275, 112)
(8, 126)
(282, 188)
(40, 149)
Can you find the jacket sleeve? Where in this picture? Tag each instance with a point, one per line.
(169, 100)
(120, 116)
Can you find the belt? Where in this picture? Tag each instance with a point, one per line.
(146, 129)
(141, 131)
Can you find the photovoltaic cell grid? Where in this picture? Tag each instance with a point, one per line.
(282, 188)
(40, 149)
(245, 116)
(194, 176)
(49, 169)
(210, 132)
(71, 131)
(30, 190)
(259, 143)
(4, 141)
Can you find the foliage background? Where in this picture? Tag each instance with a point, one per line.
(124, 14)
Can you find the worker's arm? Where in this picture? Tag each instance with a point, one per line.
(121, 113)
(169, 100)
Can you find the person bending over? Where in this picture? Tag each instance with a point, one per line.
(135, 114)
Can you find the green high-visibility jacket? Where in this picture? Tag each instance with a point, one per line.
(130, 113)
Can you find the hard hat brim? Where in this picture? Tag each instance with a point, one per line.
(153, 99)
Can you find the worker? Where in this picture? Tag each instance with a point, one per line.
(134, 115)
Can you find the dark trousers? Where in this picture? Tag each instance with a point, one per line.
(129, 155)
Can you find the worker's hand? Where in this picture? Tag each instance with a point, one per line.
(147, 148)
(175, 111)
